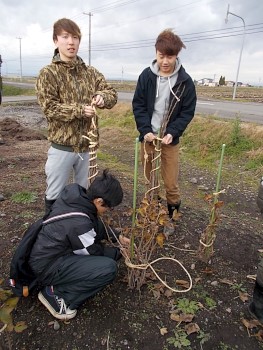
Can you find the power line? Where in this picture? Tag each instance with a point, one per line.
(189, 37)
(110, 6)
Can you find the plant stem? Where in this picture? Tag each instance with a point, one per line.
(135, 184)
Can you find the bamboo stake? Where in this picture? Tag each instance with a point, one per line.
(208, 236)
(135, 184)
(135, 180)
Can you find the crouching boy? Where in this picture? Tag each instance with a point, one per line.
(68, 257)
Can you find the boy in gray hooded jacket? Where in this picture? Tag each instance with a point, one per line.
(164, 99)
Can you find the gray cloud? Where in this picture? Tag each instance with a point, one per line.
(123, 37)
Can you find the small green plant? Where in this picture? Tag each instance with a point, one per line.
(223, 346)
(238, 287)
(24, 197)
(180, 340)
(210, 303)
(204, 337)
(187, 306)
(236, 132)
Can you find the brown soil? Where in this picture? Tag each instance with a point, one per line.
(119, 318)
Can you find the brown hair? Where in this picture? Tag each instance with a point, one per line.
(67, 25)
(169, 43)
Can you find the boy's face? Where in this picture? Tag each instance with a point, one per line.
(166, 63)
(68, 46)
(100, 205)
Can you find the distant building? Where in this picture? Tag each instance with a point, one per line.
(207, 82)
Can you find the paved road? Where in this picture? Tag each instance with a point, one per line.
(247, 112)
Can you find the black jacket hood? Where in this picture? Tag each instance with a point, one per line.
(74, 198)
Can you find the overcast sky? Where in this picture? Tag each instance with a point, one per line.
(123, 34)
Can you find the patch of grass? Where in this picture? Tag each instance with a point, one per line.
(24, 197)
(114, 163)
(203, 139)
(9, 90)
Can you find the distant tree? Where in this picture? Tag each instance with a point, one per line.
(222, 81)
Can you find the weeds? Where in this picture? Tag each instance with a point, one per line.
(24, 197)
(187, 306)
(179, 340)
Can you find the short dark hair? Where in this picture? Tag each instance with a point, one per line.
(65, 24)
(169, 43)
(107, 187)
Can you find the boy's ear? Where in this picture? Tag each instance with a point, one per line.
(98, 201)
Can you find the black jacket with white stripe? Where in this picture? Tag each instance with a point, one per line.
(77, 234)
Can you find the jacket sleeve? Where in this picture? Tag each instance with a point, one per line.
(185, 113)
(50, 101)
(104, 89)
(106, 232)
(85, 241)
(140, 108)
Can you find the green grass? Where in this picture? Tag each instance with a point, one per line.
(24, 197)
(204, 137)
(201, 144)
(9, 90)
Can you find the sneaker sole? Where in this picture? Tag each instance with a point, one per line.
(53, 312)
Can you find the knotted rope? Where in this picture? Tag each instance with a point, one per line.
(93, 138)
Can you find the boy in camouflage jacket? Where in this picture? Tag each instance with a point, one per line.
(67, 90)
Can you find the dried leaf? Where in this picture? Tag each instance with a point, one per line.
(168, 293)
(226, 281)
(175, 317)
(186, 317)
(160, 238)
(176, 215)
(163, 331)
(249, 324)
(192, 328)
(208, 271)
(145, 201)
(259, 335)
(198, 279)
(243, 296)
(156, 294)
(20, 327)
(219, 204)
(183, 283)
(208, 197)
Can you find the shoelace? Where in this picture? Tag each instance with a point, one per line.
(63, 306)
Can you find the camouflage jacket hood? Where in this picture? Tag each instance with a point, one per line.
(63, 88)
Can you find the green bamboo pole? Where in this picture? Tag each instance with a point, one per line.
(220, 168)
(218, 178)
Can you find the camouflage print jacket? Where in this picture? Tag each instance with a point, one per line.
(63, 88)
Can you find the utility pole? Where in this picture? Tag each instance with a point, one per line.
(89, 14)
(20, 57)
(242, 45)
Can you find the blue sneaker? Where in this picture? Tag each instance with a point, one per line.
(55, 305)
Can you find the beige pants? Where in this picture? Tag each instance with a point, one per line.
(169, 168)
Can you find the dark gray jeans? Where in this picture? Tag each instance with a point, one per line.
(79, 277)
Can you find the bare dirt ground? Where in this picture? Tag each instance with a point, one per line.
(120, 318)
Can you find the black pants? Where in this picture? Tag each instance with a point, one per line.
(79, 277)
